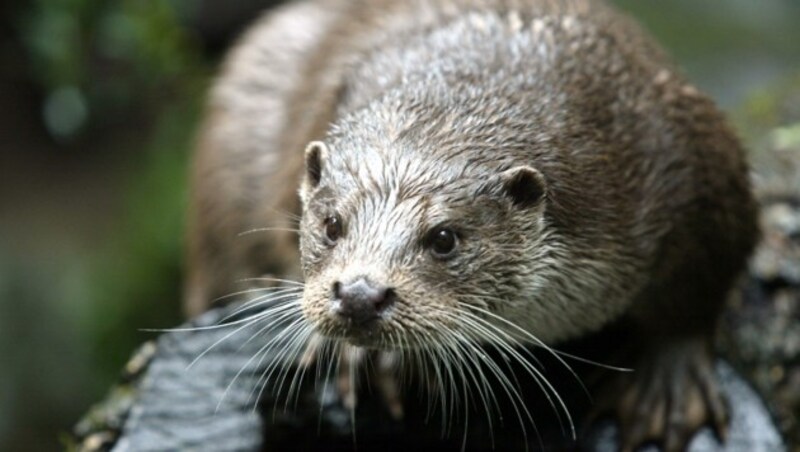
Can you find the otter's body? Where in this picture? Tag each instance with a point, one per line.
(582, 179)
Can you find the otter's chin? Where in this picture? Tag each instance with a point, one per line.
(368, 335)
(365, 336)
(364, 342)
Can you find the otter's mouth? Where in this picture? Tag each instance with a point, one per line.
(369, 335)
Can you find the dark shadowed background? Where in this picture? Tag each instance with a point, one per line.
(99, 100)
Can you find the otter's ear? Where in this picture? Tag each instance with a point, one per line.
(316, 154)
(524, 185)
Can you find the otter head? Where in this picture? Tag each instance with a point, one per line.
(403, 246)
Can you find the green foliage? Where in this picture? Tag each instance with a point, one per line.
(99, 59)
(768, 107)
(107, 66)
(135, 284)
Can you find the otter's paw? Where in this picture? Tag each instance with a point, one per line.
(352, 361)
(668, 398)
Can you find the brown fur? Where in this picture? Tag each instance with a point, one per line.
(646, 185)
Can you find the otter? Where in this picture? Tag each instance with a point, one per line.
(530, 171)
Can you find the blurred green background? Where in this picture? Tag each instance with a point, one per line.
(99, 100)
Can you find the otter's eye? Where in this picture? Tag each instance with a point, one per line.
(333, 228)
(442, 242)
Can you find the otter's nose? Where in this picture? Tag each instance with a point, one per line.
(361, 300)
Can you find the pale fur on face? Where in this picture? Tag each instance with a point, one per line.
(512, 268)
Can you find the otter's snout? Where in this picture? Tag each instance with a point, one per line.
(361, 300)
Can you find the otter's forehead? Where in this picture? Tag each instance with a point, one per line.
(394, 170)
(390, 192)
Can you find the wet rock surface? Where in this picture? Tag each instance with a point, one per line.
(177, 402)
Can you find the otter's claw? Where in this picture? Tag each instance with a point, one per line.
(351, 361)
(669, 397)
(387, 382)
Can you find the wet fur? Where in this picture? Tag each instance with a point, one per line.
(647, 218)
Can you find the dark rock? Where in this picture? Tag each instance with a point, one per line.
(201, 391)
